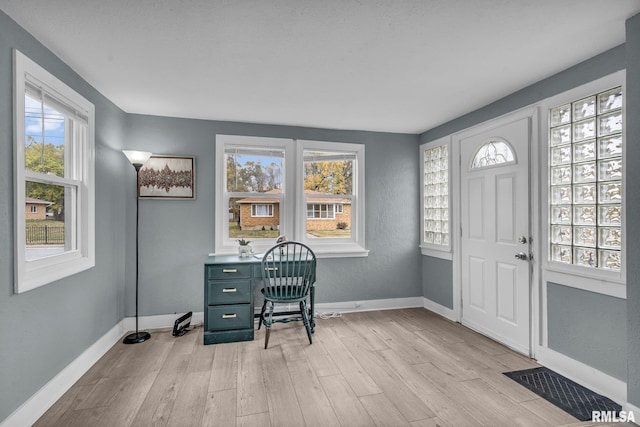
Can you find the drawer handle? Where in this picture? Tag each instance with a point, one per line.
(225, 290)
(271, 269)
(229, 316)
(229, 270)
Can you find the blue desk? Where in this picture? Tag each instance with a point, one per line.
(231, 287)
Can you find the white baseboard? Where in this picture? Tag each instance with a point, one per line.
(628, 407)
(159, 321)
(443, 311)
(29, 412)
(585, 375)
(369, 305)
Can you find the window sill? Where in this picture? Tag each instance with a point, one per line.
(346, 251)
(342, 253)
(597, 283)
(38, 274)
(437, 253)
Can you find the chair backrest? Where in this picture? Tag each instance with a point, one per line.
(288, 271)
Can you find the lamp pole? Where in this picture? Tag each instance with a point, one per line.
(137, 159)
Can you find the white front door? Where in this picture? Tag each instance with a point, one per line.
(494, 181)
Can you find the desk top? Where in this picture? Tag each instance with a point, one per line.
(233, 259)
(253, 259)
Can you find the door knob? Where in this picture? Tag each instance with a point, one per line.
(522, 239)
(521, 256)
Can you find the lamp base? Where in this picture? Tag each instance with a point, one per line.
(136, 337)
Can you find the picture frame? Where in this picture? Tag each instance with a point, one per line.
(169, 177)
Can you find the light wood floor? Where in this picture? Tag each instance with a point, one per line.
(388, 368)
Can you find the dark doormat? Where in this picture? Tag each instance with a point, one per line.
(564, 393)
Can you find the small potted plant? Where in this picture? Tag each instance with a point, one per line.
(244, 248)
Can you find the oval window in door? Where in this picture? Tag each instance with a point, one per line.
(494, 152)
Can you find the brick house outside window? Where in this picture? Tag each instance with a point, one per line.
(36, 208)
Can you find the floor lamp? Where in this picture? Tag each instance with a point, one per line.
(137, 159)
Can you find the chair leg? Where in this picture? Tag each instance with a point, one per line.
(264, 306)
(312, 312)
(267, 325)
(305, 319)
(267, 332)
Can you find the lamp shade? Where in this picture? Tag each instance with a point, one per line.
(137, 157)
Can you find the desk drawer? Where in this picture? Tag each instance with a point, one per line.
(228, 292)
(223, 317)
(221, 272)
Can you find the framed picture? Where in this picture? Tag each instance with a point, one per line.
(168, 177)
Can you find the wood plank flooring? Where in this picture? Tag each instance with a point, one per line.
(405, 367)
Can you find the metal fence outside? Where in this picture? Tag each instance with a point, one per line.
(45, 234)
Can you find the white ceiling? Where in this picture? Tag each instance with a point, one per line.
(380, 65)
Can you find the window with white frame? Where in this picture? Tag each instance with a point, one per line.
(436, 215)
(329, 181)
(310, 191)
(54, 162)
(320, 211)
(586, 212)
(262, 210)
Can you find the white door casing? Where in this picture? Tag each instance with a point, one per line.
(495, 227)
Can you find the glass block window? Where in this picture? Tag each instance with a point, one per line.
(585, 160)
(493, 152)
(436, 195)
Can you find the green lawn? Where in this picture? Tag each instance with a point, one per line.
(51, 222)
(330, 233)
(236, 233)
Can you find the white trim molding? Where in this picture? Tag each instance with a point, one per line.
(159, 321)
(590, 279)
(369, 305)
(585, 375)
(628, 407)
(530, 112)
(443, 311)
(77, 253)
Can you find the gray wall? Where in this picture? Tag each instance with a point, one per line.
(588, 327)
(176, 236)
(43, 330)
(437, 280)
(632, 201)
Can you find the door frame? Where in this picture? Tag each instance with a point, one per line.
(532, 113)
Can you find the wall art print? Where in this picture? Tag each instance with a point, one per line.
(168, 177)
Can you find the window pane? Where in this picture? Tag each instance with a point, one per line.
(254, 170)
(586, 182)
(48, 220)
(261, 209)
(251, 217)
(44, 137)
(324, 220)
(328, 173)
(494, 152)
